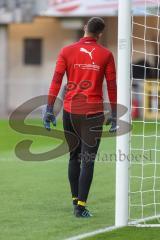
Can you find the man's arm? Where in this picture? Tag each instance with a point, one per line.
(57, 79)
(110, 75)
(48, 116)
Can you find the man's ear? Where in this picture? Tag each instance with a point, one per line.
(100, 35)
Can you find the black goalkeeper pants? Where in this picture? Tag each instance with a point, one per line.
(87, 131)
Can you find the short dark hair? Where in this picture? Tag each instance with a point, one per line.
(95, 25)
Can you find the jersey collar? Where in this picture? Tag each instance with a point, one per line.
(87, 39)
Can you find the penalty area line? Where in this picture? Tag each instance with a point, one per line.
(90, 234)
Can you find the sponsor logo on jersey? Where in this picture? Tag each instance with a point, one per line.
(87, 67)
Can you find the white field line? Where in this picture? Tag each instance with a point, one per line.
(90, 234)
(148, 225)
(142, 222)
(137, 223)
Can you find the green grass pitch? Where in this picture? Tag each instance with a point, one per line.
(131, 233)
(35, 196)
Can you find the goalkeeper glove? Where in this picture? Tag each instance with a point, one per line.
(48, 117)
(112, 120)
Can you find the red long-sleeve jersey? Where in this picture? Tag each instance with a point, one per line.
(86, 63)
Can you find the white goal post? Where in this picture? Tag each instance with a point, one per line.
(123, 98)
(138, 183)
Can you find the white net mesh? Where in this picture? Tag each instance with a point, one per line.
(144, 195)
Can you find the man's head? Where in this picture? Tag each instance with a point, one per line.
(94, 27)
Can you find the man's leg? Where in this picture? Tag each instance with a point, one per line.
(74, 161)
(91, 135)
(87, 169)
(74, 172)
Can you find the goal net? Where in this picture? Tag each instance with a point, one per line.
(144, 172)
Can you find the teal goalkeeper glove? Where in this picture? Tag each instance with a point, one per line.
(48, 117)
(112, 120)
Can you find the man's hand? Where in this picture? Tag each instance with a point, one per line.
(113, 122)
(48, 117)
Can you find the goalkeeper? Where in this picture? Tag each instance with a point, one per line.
(86, 63)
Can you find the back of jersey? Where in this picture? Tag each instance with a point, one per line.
(85, 66)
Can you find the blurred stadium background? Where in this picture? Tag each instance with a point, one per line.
(32, 32)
